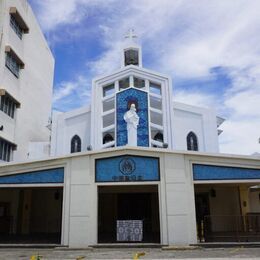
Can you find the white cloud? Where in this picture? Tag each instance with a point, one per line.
(245, 104)
(107, 62)
(71, 92)
(194, 98)
(53, 13)
(185, 39)
(240, 136)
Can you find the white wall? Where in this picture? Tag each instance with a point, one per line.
(8, 132)
(177, 215)
(254, 201)
(201, 121)
(38, 150)
(66, 125)
(180, 201)
(83, 204)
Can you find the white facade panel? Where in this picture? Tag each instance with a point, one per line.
(80, 232)
(201, 121)
(8, 124)
(176, 196)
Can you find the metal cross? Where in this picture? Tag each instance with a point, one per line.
(131, 35)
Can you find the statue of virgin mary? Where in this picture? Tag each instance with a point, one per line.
(132, 120)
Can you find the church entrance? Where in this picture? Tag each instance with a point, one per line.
(228, 212)
(31, 215)
(128, 214)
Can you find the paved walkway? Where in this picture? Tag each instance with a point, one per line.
(125, 253)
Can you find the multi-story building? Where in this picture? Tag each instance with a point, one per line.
(26, 78)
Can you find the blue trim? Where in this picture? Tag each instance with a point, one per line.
(214, 172)
(127, 168)
(44, 176)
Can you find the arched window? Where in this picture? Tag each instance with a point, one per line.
(107, 138)
(192, 142)
(75, 145)
(131, 57)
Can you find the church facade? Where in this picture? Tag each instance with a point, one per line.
(162, 121)
(130, 195)
(133, 167)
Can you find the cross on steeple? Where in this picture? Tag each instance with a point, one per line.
(131, 35)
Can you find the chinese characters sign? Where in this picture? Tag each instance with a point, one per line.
(127, 169)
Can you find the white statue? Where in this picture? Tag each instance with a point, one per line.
(132, 120)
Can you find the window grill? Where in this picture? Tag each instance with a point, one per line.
(7, 105)
(12, 64)
(16, 27)
(6, 149)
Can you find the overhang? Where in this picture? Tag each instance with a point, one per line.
(4, 92)
(8, 49)
(13, 144)
(13, 11)
(220, 120)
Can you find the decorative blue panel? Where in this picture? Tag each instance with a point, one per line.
(44, 176)
(123, 101)
(212, 172)
(127, 168)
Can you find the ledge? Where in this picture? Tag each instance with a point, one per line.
(13, 11)
(8, 49)
(4, 92)
(11, 143)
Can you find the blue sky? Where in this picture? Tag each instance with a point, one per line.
(209, 47)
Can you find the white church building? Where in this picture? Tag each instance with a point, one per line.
(132, 167)
(162, 122)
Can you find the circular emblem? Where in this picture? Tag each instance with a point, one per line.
(127, 166)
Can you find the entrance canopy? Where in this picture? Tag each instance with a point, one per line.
(215, 172)
(43, 176)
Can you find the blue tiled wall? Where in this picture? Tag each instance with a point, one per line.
(122, 100)
(212, 172)
(142, 169)
(44, 176)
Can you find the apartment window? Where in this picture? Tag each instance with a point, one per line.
(16, 27)
(8, 105)
(12, 64)
(6, 149)
(17, 23)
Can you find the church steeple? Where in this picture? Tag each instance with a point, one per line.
(132, 53)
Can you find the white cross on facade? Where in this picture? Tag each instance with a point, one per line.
(131, 35)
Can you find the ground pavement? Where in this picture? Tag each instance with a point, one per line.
(129, 253)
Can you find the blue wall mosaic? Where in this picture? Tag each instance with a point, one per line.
(127, 168)
(123, 99)
(212, 172)
(44, 176)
